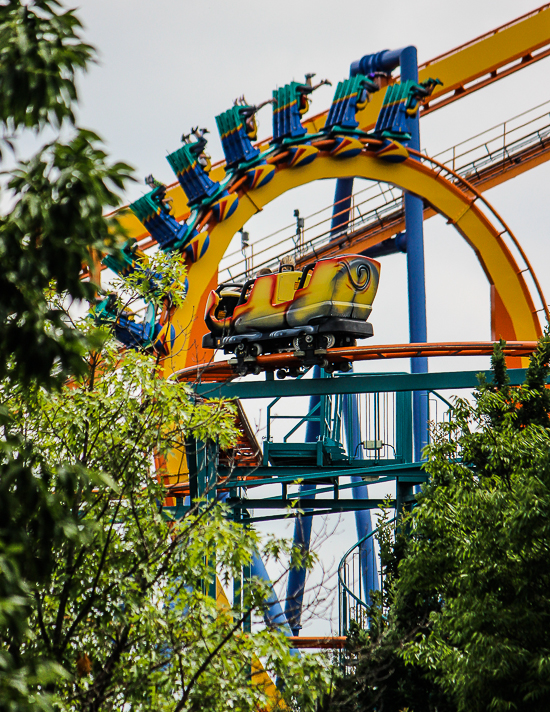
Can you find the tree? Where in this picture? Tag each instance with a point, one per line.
(59, 196)
(376, 676)
(103, 599)
(57, 200)
(121, 613)
(466, 626)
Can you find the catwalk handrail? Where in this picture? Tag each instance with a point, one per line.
(387, 209)
(341, 584)
(489, 207)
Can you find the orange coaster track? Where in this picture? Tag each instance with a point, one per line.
(223, 371)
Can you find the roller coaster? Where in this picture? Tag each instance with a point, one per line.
(359, 429)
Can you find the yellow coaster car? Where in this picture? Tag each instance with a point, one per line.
(324, 306)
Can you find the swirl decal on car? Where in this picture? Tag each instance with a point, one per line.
(363, 276)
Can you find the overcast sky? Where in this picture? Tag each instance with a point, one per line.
(168, 65)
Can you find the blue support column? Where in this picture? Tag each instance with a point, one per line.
(414, 228)
(274, 615)
(386, 61)
(363, 519)
(383, 61)
(342, 206)
(302, 535)
(417, 313)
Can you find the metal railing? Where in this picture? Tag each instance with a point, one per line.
(499, 141)
(328, 413)
(352, 596)
(382, 428)
(495, 149)
(370, 204)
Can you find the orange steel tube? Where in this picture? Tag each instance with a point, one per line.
(323, 143)
(206, 218)
(479, 196)
(490, 33)
(276, 157)
(457, 95)
(221, 370)
(327, 642)
(235, 186)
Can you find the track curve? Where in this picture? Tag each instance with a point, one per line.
(460, 209)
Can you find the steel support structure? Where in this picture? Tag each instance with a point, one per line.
(302, 532)
(363, 519)
(353, 383)
(386, 61)
(414, 230)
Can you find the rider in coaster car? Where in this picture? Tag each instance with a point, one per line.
(159, 193)
(287, 264)
(229, 297)
(260, 273)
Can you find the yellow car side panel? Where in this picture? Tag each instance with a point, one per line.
(287, 284)
(261, 312)
(337, 287)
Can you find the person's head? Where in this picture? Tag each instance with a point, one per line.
(263, 271)
(287, 264)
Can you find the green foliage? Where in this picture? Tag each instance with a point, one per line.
(467, 626)
(115, 594)
(103, 599)
(376, 675)
(59, 196)
(58, 199)
(56, 221)
(40, 51)
(167, 278)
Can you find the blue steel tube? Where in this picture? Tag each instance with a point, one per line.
(302, 535)
(414, 228)
(386, 61)
(363, 519)
(342, 206)
(414, 210)
(273, 614)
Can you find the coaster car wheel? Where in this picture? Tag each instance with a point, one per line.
(304, 343)
(245, 357)
(327, 341)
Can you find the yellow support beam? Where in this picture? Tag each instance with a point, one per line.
(460, 209)
(472, 66)
(467, 68)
